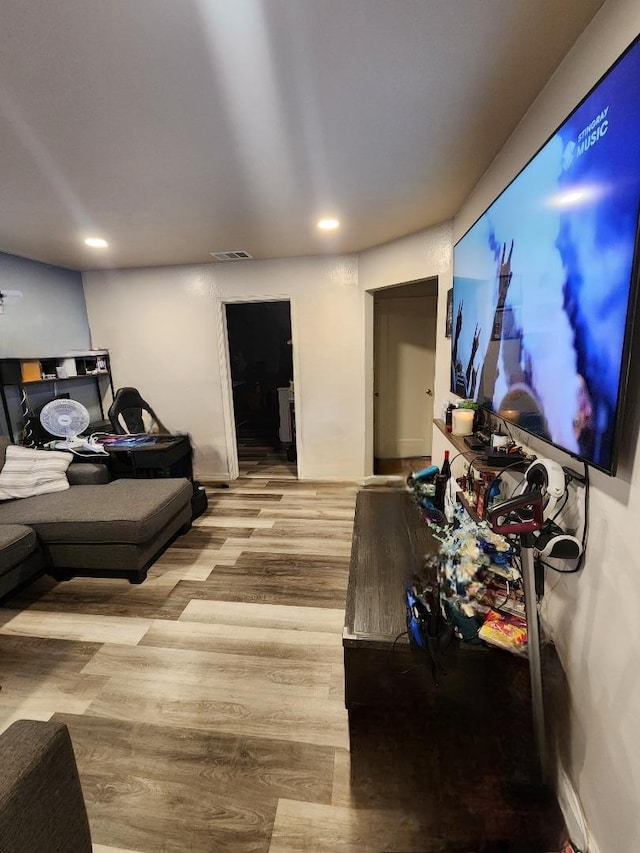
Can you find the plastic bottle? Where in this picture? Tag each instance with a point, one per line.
(425, 473)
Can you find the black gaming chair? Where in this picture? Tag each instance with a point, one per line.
(126, 414)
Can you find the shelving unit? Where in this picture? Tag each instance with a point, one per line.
(473, 456)
(471, 510)
(530, 598)
(83, 375)
(474, 459)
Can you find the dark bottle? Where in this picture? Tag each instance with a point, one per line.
(445, 470)
(440, 481)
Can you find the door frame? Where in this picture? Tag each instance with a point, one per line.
(402, 426)
(226, 385)
(369, 339)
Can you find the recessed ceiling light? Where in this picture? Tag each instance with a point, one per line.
(96, 242)
(328, 224)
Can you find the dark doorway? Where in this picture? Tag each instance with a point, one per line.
(261, 362)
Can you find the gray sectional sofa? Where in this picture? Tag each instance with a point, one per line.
(42, 809)
(96, 528)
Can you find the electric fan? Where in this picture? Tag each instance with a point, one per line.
(67, 419)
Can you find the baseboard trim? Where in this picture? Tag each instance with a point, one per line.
(592, 847)
(573, 814)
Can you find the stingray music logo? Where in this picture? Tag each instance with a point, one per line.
(593, 132)
(587, 138)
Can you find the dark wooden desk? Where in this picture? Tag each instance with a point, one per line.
(389, 544)
(425, 747)
(390, 541)
(168, 456)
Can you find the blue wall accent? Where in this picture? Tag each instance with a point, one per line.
(51, 317)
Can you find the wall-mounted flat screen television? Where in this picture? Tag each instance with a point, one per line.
(545, 281)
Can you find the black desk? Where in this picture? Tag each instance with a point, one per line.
(168, 456)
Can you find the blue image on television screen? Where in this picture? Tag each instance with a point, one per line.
(545, 280)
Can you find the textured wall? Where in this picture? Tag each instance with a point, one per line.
(593, 617)
(163, 329)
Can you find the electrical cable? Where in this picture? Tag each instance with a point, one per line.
(461, 453)
(506, 468)
(506, 426)
(393, 645)
(515, 559)
(502, 603)
(510, 427)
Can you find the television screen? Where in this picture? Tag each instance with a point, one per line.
(544, 282)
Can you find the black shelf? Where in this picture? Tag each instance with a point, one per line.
(49, 379)
(473, 457)
(17, 373)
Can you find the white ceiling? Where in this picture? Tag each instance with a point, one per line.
(176, 128)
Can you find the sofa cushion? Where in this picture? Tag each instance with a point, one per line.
(28, 472)
(87, 474)
(16, 543)
(131, 511)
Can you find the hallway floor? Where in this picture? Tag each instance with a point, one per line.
(260, 459)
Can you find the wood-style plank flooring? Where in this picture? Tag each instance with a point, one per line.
(400, 467)
(206, 705)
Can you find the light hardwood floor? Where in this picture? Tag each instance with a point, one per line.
(202, 698)
(206, 705)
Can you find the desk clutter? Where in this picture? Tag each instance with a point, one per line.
(469, 424)
(127, 441)
(478, 585)
(479, 564)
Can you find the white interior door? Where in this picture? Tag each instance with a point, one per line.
(404, 368)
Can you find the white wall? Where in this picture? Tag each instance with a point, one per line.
(427, 254)
(163, 328)
(164, 332)
(593, 617)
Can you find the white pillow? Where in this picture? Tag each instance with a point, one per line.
(29, 472)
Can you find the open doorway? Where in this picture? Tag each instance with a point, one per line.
(261, 367)
(404, 374)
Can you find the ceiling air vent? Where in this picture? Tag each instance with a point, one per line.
(238, 255)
